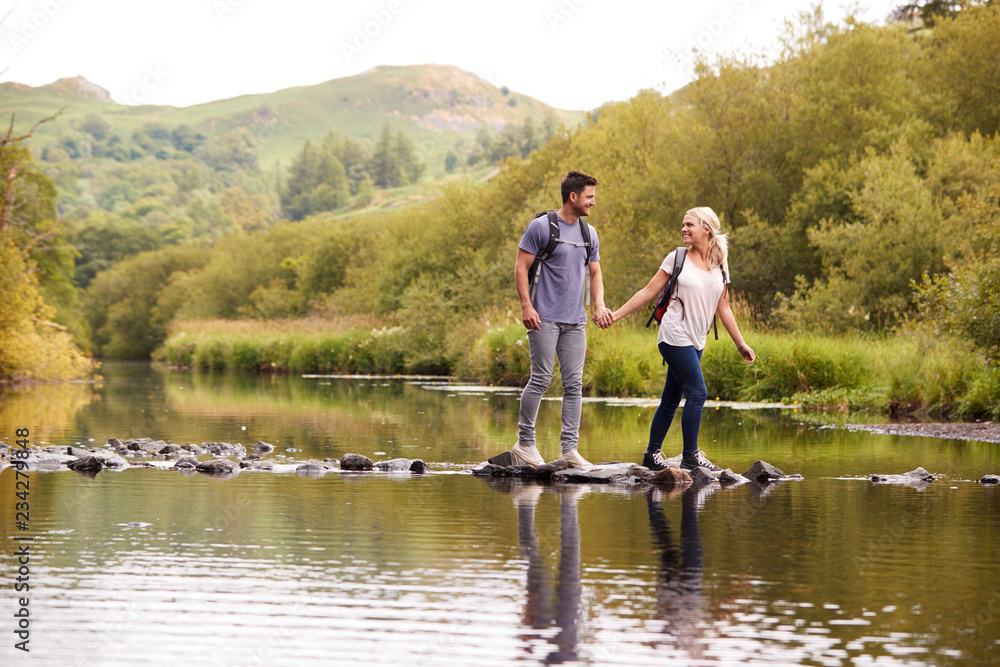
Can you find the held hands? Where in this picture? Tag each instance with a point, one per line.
(603, 317)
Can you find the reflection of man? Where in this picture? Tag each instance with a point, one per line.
(552, 309)
(679, 599)
(538, 608)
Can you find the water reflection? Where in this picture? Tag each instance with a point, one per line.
(679, 580)
(546, 606)
(679, 600)
(431, 569)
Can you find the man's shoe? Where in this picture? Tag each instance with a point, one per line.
(526, 456)
(654, 460)
(526, 496)
(575, 459)
(690, 461)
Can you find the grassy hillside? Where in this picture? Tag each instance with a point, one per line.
(439, 107)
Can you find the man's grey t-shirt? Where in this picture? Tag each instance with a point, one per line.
(562, 282)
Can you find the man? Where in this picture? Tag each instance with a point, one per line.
(553, 313)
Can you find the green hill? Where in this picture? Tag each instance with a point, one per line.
(440, 107)
(135, 178)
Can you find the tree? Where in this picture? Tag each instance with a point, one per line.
(32, 346)
(122, 302)
(409, 163)
(385, 166)
(317, 182)
(892, 236)
(529, 138)
(928, 12)
(962, 70)
(251, 213)
(966, 303)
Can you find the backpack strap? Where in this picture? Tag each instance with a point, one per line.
(585, 231)
(664, 299)
(536, 266)
(546, 252)
(725, 286)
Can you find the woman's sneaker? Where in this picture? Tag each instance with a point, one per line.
(654, 460)
(690, 461)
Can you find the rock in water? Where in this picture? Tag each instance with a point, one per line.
(79, 452)
(486, 469)
(618, 473)
(89, 463)
(503, 459)
(727, 478)
(546, 470)
(762, 471)
(314, 467)
(355, 462)
(418, 466)
(701, 476)
(394, 465)
(990, 479)
(918, 477)
(225, 448)
(256, 465)
(670, 476)
(218, 467)
(263, 447)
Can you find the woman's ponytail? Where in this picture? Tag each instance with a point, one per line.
(718, 243)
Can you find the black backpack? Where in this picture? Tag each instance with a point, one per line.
(667, 293)
(550, 248)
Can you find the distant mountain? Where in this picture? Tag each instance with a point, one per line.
(438, 106)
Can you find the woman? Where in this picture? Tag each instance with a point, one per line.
(702, 292)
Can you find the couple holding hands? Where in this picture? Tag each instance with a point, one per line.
(552, 309)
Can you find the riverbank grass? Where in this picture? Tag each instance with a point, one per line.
(913, 372)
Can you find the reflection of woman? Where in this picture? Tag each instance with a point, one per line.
(679, 597)
(702, 292)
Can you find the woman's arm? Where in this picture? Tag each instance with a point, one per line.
(725, 314)
(643, 296)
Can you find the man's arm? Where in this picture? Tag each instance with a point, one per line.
(602, 315)
(528, 313)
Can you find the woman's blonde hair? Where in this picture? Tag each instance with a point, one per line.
(718, 243)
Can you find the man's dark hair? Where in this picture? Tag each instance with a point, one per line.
(575, 181)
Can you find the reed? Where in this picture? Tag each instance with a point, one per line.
(912, 372)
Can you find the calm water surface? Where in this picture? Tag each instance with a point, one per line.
(447, 569)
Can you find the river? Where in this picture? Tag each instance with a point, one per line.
(149, 566)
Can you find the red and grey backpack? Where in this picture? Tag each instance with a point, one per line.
(667, 293)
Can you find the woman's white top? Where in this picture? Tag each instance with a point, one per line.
(700, 291)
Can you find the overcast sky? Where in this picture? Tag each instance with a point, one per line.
(572, 54)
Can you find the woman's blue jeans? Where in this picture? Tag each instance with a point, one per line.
(684, 378)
